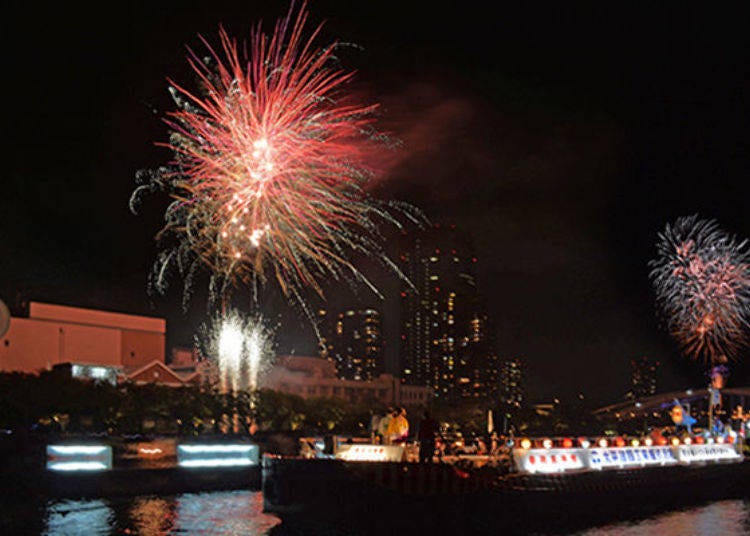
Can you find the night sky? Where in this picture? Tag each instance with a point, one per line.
(563, 140)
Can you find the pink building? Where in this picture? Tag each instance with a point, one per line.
(56, 334)
(316, 377)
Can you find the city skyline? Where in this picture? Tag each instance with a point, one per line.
(562, 140)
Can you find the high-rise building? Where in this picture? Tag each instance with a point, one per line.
(643, 371)
(478, 370)
(511, 384)
(445, 343)
(353, 341)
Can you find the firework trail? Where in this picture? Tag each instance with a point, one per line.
(241, 348)
(270, 169)
(702, 280)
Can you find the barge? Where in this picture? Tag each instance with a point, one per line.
(538, 481)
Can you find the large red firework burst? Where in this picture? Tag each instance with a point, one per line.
(702, 280)
(271, 165)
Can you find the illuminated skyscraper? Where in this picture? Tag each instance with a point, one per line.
(445, 343)
(478, 371)
(353, 341)
(511, 384)
(643, 372)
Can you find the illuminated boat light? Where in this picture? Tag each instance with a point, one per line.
(705, 453)
(640, 454)
(550, 460)
(77, 466)
(630, 457)
(205, 449)
(192, 456)
(71, 458)
(150, 451)
(70, 450)
(218, 462)
(370, 453)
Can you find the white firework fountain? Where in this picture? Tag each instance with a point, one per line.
(242, 347)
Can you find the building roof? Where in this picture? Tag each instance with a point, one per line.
(93, 317)
(157, 372)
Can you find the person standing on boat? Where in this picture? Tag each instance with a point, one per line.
(384, 427)
(428, 429)
(398, 427)
(738, 420)
(374, 426)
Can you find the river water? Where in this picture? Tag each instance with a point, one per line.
(241, 513)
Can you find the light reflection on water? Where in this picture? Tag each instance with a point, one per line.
(220, 513)
(241, 513)
(67, 517)
(233, 513)
(723, 517)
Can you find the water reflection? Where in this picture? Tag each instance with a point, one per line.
(221, 513)
(241, 513)
(69, 517)
(724, 517)
(153, 515)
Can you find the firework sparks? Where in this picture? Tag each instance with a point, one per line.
(702, 280)
(270, 169)
(241, 347)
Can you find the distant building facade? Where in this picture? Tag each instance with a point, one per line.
(643, 374)
(511, 384)
(478, 371)
(56, 334)
(94, 345)
(446, 344)
(310, 377)
(353, 341)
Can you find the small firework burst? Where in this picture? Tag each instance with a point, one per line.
(702, 280)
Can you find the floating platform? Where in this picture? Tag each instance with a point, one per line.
(556, 481)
